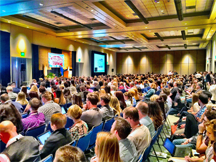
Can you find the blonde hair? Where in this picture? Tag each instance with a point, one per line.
(153, 85)
(195, 98)
(154, 97)
(115, 105)
(136, 94)
(21, 98)
(115, 83)
(34, 89)
(74, 111)
(102, 92)
(107, 147)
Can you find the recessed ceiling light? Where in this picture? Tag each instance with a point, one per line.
(92, 10)
(186, 28)
(185, 23)
(212, 30)
(113, 24)
(162, 10)
(9, 21)
(27, 27)
(41, 4)
(146, 27)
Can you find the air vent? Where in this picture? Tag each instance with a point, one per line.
(190, 33)
(190, 7)
(92, 19)
(58, 23)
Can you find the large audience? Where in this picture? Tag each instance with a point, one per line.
(139, 104)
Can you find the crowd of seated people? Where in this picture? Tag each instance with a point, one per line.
(139, 103)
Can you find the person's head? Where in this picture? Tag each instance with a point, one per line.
(153, 86)
(211, 130)
(78, 99)
(92, 99)
(42, 90)
(209, 94)
(154, 97)
(21, 96)
(74, 112)
(33, 94)
(142, 109)
(121, 128)
(120, 97)
(128, 96)
(9, 89)
(199, 86)
(203, 99)
(73, 90)
(66, 92)
(7, 131)
(163, 96)
(24, 89)
(4, 97)
(58, 121)
(105, 99)
(131, 115)
(35, 103)
(69, 153)
(107, 89)
(166, 91)
(46, 97)
(9, 112)
(34, 88)
(107, 147)
(115, 105)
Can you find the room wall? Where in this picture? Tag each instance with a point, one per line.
(22, 38)
(184, 62)
(211, 55)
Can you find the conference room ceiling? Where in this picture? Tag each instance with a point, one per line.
(119, 25)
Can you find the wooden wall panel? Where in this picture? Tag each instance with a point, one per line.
(184, 62)
(43, 57)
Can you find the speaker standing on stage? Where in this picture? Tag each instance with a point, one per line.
(61, 70)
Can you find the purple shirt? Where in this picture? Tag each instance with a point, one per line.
(33, 120)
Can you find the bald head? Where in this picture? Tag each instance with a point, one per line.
(7, 131)
(142, 107)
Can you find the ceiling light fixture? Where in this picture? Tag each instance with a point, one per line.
(158, 35)
(183, 35)
(139, 14)
(41, 4)
(185, 46)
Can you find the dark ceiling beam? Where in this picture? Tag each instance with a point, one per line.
(117, 40)
(41, 22)
(65, 17)
(168, 47)
(174, 37)
(185, 46)
(137, 48)
(178, 5)
(159, 37)
(183, 35)
(136, 11)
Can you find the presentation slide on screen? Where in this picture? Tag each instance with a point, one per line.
(55, 60)
(99, 63)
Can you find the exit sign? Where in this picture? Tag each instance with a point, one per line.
(22, 54)
(215, 57)
(107, 63)
(207, 61)
(79, 60)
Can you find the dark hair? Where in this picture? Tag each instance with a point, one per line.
(78, 99)
(70, 153)
(203, 98)
(33, 94)
(24, 89)
(161, 103)
(107, 89)
(209, 94)
(42, 90)
(155, 113)
(211, 115)
(58, 92)
(171, 84)
(4, 97)
(106, 99)
(121, 99)
(9, 112)
(123, 127)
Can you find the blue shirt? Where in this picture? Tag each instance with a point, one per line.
(200, 112)
(61, 70)
(134, 102)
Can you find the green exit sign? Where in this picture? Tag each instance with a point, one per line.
(215, 57)
(22, 54)
(107, 63)
(79, 60)
(207, 61)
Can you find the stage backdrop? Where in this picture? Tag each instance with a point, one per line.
(184, 62)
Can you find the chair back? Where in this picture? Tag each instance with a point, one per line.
(24, 115)
(95, 130)
(36, 131)
(73, 143)
(2, 146)
(48, 127)
(108, 124)
(83, 142)
(69, 123)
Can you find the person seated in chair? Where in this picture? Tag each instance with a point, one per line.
(59, 137)
(106, 111)
(18, 147)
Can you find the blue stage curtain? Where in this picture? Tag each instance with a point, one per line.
(56, 50)
(4, 58)
(35, 62)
